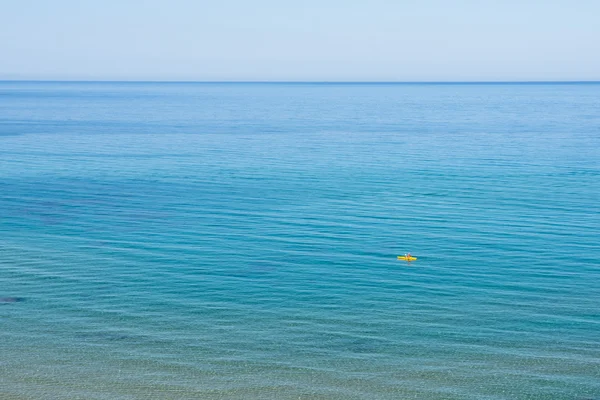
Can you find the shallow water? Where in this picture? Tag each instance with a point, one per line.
(236, 241)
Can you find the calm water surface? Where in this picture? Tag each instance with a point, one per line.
(239, 241)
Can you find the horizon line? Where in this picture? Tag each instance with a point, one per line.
(299, 81)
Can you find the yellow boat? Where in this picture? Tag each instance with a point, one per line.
(404, 258)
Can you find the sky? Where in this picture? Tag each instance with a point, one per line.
(301, 40)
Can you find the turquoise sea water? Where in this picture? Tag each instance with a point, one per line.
(239, 241)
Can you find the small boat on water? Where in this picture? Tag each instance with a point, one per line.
(407, 258)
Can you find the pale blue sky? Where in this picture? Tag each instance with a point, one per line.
(302, 40)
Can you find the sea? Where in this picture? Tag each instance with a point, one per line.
(239, 241)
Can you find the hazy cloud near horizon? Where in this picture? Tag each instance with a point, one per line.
(328, 40)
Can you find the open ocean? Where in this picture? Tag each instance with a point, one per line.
(239, 241)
